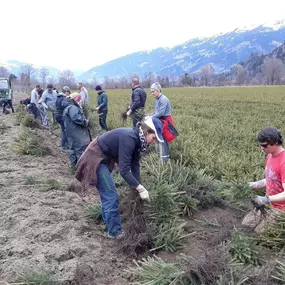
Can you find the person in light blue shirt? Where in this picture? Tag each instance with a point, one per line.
(162, 110)
(48, 101)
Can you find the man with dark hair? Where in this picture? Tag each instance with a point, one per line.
(102, 106)
(270, 142)
(48, 101)
(136, 109)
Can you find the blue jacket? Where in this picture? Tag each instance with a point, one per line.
(123, 145)
(102, 101)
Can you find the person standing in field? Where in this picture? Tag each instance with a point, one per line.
(138, 100)
(48, 100)
(83, 94)
(58, 116)
(102, 106)
(33, 106)
(76, 128)
(163, 113)
(122, 145)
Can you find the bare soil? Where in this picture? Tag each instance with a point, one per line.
(49, 229)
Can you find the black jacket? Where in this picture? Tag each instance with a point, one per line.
(138, 98)
(59, 107)
(123, 145)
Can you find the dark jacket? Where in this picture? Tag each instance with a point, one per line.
(75, 124)
(123, 145)
(59, 106)
(102, 101)
(138, 98)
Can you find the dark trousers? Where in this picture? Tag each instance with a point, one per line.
(74, 154)
(109, 199)
(102, 120)
(7, 103)
(64, 143)
(137, 116)
(34, 110)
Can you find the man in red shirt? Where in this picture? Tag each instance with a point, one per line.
(270, 141)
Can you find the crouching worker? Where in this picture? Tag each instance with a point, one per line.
(270, 142)
(76, 128)
(122, 145)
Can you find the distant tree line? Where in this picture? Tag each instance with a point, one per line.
(256, 70)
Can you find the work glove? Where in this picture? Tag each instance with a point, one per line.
(143, 193)
(251, 184)
(97, 108)
(260, 201)
(129, 112)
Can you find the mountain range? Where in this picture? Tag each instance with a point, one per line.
(14, 66)
(221, 51)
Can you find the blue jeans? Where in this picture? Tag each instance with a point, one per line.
(109, 199)
(63, 135)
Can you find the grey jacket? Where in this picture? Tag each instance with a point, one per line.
(162, 107)
(75, 125)
(49, 99)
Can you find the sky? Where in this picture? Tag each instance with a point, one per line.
(82, 34)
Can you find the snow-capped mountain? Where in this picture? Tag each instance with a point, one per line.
(15, 67)
(221, 51)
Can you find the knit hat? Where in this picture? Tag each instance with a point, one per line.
(155, 86)
(98, 88)
(156, 125)
(65, 89)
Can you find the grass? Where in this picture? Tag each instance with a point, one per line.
(29, 143)
(213, 158)
(243, 250)
(155, 271)
(215, 122)
(30, 122)
(49, 184)
(94, 212)
(37, 277)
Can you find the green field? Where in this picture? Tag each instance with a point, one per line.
(217, 126)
